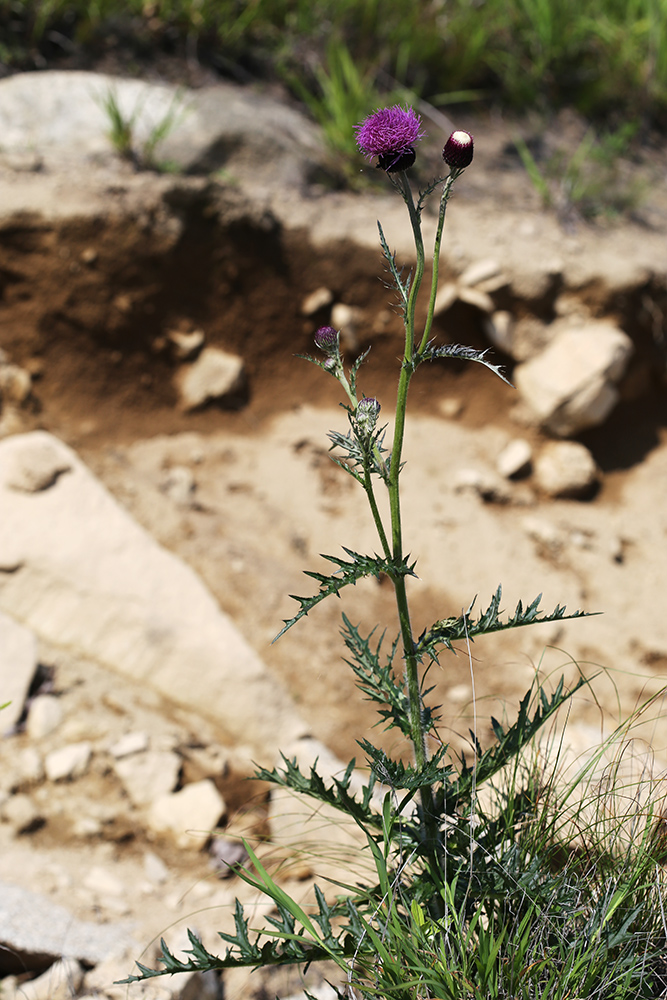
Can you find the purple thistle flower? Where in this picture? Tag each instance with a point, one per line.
(326, 338)
(390, 134)
(458, 150)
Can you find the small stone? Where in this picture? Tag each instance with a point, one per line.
(21, 813)
(476, 298)
(89, 256)
(319, 299)
(346, 319)
(128, 744)
(214, 376)
(544, 532)
(44, 717)
(186, 346)
(36, 465)
(446, 297)
(451, 408)
(566, 469)
(100, 881)
(226, 854)
(155, 868)
(498, 328)
(147, 776)
(29, 767)
(484, 483)
(515, 459)
(69, 762)
(15, 384)
(189, 816)
(179, 485)
(479, 271)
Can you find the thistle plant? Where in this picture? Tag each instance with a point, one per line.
(473, 897)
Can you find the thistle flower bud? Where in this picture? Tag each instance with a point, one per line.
(367, 413)
(458, 150)
(326, 338)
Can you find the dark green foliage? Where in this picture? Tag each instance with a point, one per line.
(347, 572)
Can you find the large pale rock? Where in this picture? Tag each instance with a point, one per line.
(61, 114)
(18, 662)
(34, 930)
(60, 982)
(147, 776)
(189, 816)
(571, 385)
(90, 578)
(68, 762)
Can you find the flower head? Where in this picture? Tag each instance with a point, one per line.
(368, 411)
(390, 134)
(326, 338)
(458, 150)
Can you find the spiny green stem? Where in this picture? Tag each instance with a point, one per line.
(444, 198)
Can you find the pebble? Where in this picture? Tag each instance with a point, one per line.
(566, 469)
(130, 743)
(319, 299)
(36, 466)
(69, 762)
(44, 717)
(515, 458)
(188, 816)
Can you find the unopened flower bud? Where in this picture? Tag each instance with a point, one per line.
(368, 411)
(326, 338)
(458, 150)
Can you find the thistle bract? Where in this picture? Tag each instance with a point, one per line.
(326, 338)
(368, 410)
(390, 134)
(458, 151)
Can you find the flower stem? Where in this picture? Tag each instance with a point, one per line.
(444, 198)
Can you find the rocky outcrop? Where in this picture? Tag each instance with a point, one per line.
(81, 573)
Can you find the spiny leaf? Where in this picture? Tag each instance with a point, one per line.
(460, 352)
(449, 630)
(346, 573)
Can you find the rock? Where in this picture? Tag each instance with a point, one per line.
(451, 408)
(179, 485)
(36, 465)
(515, 459)
(61, 981)
(499, 328)
(530, 336)
(15, 384)
(346, 319)
(61, 113)
(214, 376)
(103, 882)
(189, 816)
(68, 762)
(90, 578)
(477, 298)
(31, 926)
(44, 717)
(319, 299)
(155, 868)
(226, 854)
(571, 384)
(479, 271)
(484, 483)
(186, 346)
(128, 744)
(21, 813)
(18, 663)
(147, 776)
(565, 469)
(29, 767)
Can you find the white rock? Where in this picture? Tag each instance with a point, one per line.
(213, 376)
(319, 299)
(29, 767)
(103, 882)
(189, 816)
(571, 384)
(477, 298)
(446, 297)
(15, 384)
(44, 717)
(147, 776)
(479, 271)
(484, 482)
(186, 346)
(515, 458)
(530, 336)
(544, 532)
(61, 981)
(20, 812)
(36, 465)
(91, 579)
(498, 328)
(18, 663)
(346, 319)
(69, 762)
(130, 743)
(565, 469)
(155, 868)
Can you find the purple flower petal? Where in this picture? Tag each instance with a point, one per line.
(389, 130)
